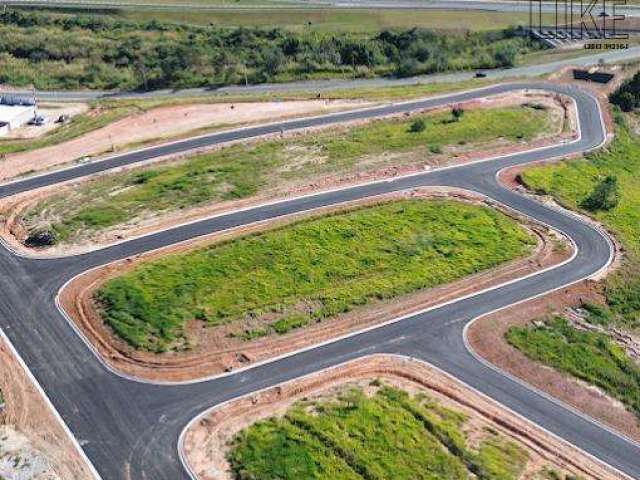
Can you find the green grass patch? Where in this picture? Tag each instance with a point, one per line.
(388, 434)
(328, 20)
(310, 271)
(242, 171)
(574, 181)
(589, 356)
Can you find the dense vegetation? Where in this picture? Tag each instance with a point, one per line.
(388, 434)
(287, 278)
(589, 356)
(575, 182)
(627, 97)
(241, 171)
(88, 51)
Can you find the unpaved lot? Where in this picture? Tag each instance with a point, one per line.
(33, 444)
(214, 351)
(160, 124)
(207, 440)
(51, 111)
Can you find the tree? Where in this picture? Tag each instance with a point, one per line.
(407, 67)
(605, 195)
(417, 126)
(457, 112)
(627, 97)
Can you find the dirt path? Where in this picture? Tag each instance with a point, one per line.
(214, 351)
(207, 440)
(162, 123)
(30, 434)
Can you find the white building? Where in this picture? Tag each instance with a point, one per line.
(15, 112)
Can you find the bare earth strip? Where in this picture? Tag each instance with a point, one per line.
(206, 441)
(12, 209)
(214, 352)
(161, 123)
(41, 438)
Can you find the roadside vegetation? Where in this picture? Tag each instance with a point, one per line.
(589, 356)
(606, 185)
(337, 20)
(242, 171)
(62, 51)
(308, 272)
(383, 434)
(627, 97)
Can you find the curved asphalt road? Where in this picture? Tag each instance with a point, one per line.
(130, 429)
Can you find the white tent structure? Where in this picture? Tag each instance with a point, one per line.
(15, 112)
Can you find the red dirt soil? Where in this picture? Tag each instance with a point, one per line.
(28, 412)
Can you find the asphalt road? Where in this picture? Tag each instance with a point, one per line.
(130, 429)
(609, 56)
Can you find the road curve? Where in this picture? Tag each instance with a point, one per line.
(130, 429)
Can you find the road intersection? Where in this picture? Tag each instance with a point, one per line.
(130, 428)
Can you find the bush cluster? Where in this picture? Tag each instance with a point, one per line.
(627, 97)
(93, 51)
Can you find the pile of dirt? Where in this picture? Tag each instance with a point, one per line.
(33, 443)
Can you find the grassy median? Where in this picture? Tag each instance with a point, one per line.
(304, 273)
(386, 434)
(242, 171)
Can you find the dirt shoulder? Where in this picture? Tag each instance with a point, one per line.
(389, 165)
(31, 434)
(213, 349)
(161, 124)
(206, 441)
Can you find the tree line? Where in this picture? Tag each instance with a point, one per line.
(97, 51)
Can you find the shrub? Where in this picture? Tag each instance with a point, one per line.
(417, 126)
(41, 238)
(457, 112)
(605, 195)
(86, 51)
(627, 97)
